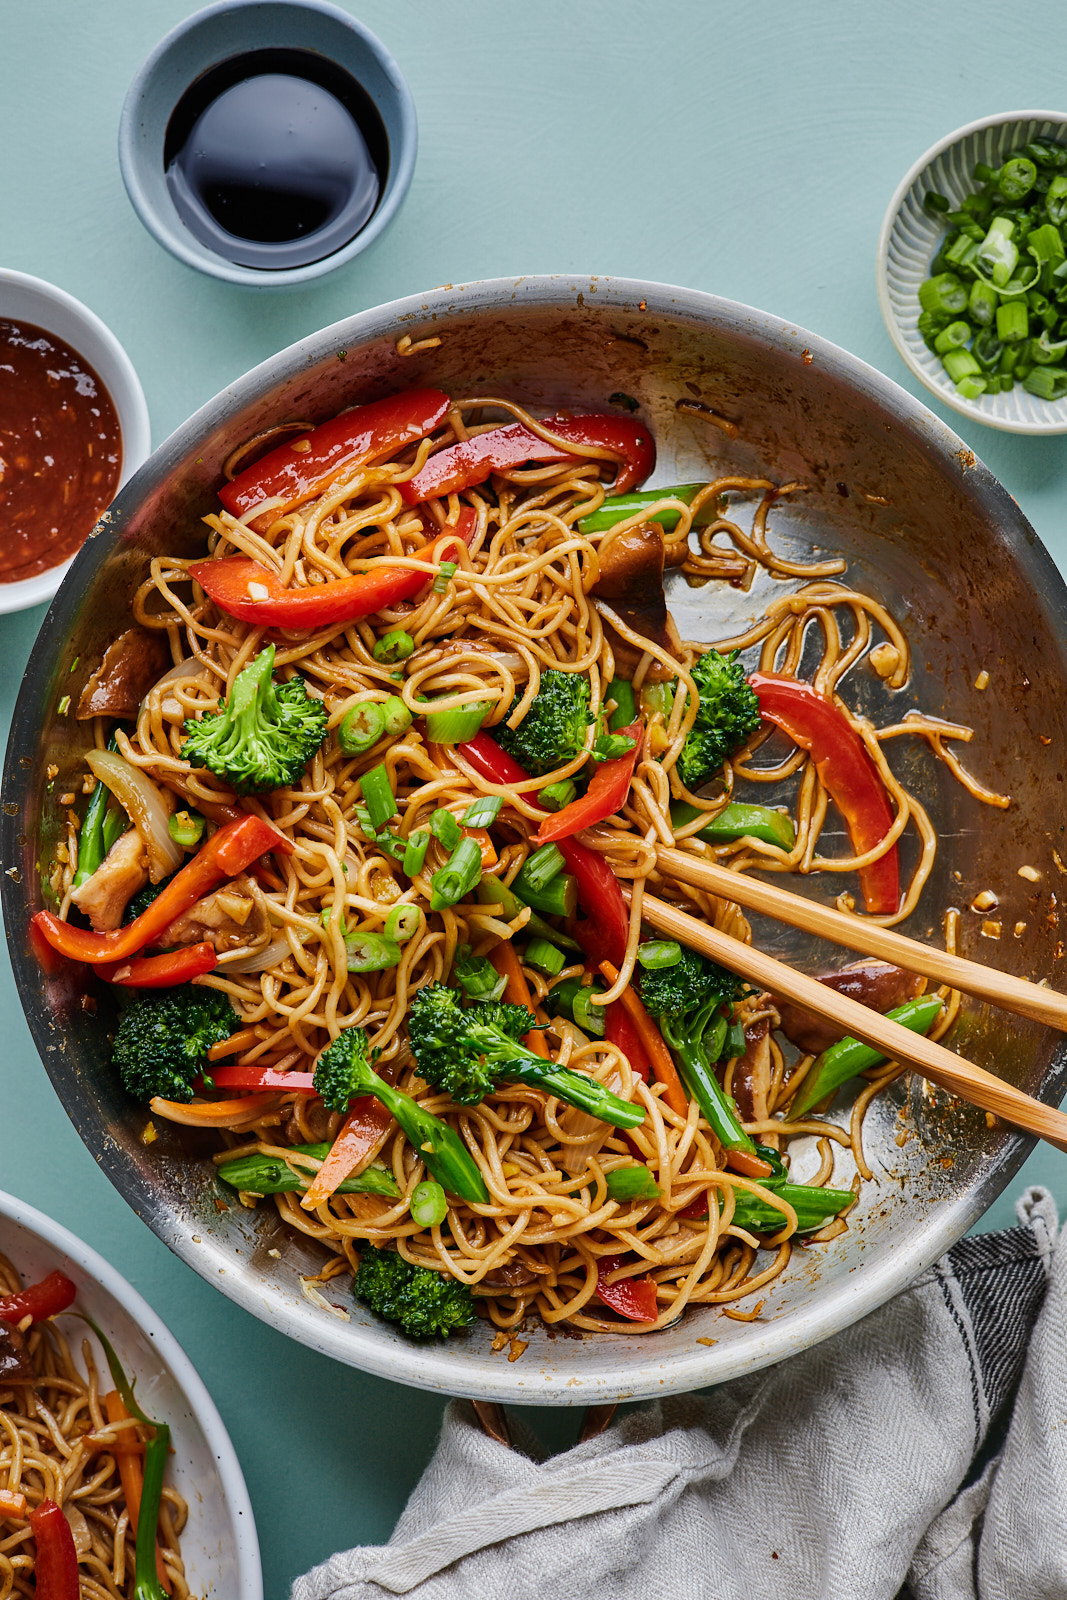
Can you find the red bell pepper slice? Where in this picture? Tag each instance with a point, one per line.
(262, 1078)
(607, 929)
(55, 1566)
(850, 777)
(634, 1298)
(605, 795)
(620, 1031)
(303, 467)
(246, 589)
(226, 854)
(472, 461)
(603, 937)
(39, 1300)
(163, 972)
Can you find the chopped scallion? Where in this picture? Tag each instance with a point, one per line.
(458, 876)
(587, 1016)
(545, 957)
(186, 828)
(402, 923)
(446, 571)
(394, 646)
(445, 829)
(455, 727)
(557, 795)
(539, 869)
(397, 717)
(371, 952)
(483, 812)
(378, 796)
(361, 728)
(657, 953)
(477, 977)
(428, 1205)
(415, 851)
(631, 1183)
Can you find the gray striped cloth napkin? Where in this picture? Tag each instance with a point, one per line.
(921, 1454)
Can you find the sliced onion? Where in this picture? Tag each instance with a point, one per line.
(190, 668)
(144, 803)
(270, 956)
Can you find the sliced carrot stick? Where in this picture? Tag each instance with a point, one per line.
(662, 1062)
(362, 1135)
(243, 1039)
(749, 1166)
(12, 1503)
(216, 1113)
(484, 843)
(516, 990)
(129, 1453)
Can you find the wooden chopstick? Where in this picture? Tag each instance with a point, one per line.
(857, 933)
(941, 1066)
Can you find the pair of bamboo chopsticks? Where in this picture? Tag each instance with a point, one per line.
(941, 1066)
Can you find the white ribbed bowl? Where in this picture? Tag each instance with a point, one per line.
(910, 238)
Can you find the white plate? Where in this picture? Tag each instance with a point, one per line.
(219, 1545)
(910, 239)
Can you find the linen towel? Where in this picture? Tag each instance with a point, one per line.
(921, 1453)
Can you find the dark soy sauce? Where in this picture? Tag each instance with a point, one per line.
(275, 158)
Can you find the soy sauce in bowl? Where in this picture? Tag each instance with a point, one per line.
(275, 158)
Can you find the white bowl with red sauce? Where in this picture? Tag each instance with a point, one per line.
(54, 414)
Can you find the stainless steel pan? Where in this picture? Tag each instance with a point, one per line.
(925, 527)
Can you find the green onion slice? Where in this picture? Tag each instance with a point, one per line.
(402, 923)
(371, 952)
(484, 812)
(545, 957)
(655, 954)
(394, 646)
(361, 727)
(186, 828)
(378, 795)
(428, 1204)
(458, 876)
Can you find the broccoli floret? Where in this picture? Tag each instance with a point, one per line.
(342, 1069)
(263, 736)
(727, 715)
(143, 899)
(692, 1002)
(553, 730)
(466, 1053)
(690, 985)
(425, 1304)
(164, 1037)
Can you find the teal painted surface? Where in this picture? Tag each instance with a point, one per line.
(745, 150)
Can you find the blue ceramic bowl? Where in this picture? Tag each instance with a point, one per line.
(233, 28)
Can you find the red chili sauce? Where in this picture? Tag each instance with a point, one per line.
(60, 450)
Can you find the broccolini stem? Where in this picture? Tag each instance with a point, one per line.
(260, 1174)
(698, 1075)
(576, 1089)
(442, 1149)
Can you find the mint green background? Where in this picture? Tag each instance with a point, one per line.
(749, 150)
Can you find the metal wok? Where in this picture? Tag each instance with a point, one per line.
(925, 527)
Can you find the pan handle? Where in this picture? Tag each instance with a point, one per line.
(492, 1419)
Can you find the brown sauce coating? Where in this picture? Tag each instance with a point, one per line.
(60, 450)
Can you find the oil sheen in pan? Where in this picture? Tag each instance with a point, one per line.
(275, 158)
